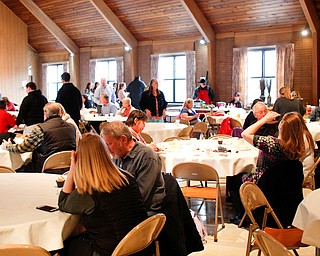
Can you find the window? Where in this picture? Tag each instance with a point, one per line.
(172, 74)
(262, 64)
(107, 69)
(54, 72)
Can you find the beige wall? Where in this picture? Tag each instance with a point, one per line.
(13, 55)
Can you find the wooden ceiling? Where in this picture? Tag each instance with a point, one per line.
(154, 20)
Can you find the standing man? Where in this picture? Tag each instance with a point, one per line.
(136, 88)
(139, 160)
(31, 108)
(204, 92)
(104, 89)
(70, 98)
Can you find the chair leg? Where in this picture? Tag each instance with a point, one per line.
(215, 234)
(221, 208)
(242, 220)
(157, 248)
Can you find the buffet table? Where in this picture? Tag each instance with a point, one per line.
(21, 222)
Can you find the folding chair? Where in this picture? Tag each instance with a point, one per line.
(22, 249)
(6, 169)
(57, 163)
(141, 236)
(253, 198)
(201, 172)
(147, 138)
(309, 179)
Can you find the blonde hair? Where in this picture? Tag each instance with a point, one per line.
(94, 169)
(285, 92)
(185, 104)
(292, 135)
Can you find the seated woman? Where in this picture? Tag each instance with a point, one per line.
(9, 105)
(293, 143)
(136, 123)
(108, 198)
(236, 101)
(126, 108)
(187, 113)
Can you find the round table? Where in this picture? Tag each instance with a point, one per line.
(160, 131)
(21, 222)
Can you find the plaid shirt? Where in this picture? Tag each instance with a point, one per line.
(29, 144)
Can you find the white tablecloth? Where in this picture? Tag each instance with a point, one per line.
(243, 156)
(307, 218)
(21, 222)
(161, 131)
(98, 118)
(314, 129)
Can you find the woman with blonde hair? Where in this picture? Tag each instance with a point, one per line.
(187, 113)
(107, 197)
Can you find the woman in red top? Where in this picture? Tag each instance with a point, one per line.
(9, 105)
(6, 120)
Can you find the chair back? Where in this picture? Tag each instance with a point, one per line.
(186, 132)
(195, 171)
(253, 198)
(182, 121)
(269, 245)
(22, 249)
(309, 180)
(82, 127)
(282, 186)
(6, 169)
(58, 162)
(211, 120)
(172, 138)
(147, 138)
(235, 123)
(141, 236)
(201, 127)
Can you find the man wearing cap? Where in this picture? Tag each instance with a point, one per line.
(203, 92)
(236, 101)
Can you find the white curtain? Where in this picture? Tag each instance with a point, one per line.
(240, 73)
(191, 73)
(154, 65)
(120, 75)
(92, 70)
(285, 65)
(44, 79)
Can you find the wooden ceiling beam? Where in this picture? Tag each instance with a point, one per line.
(52, 27)
(118, 27)
(199, 20)
(311, 15)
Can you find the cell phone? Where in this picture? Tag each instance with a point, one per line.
(47, 208)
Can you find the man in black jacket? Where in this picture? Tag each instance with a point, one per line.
(70, 98)
(31, 108)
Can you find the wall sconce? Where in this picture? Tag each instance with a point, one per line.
(202, 41)
(127, 48)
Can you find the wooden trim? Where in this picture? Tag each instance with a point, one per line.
(199, 20)
(53, 28)
(313, 21)
(114, 22)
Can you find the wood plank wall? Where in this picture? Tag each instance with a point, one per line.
(13, 55)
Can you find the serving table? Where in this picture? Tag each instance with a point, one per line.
(21, 222)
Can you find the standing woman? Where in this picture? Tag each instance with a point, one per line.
(121, 92)
(154, 103)
(89, 92)
(108, 199)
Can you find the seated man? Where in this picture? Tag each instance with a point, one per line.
(315, 114)
(51, 136)
(139, 160)
(107, 107)
(259, 111)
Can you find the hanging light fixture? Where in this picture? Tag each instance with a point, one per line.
(202, 41)
(305, 32)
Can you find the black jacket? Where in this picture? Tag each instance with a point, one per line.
(148, 101)
(70, 98)
(31, 109)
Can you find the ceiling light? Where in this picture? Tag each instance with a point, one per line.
(305, 32)
(202, 41)
(127, 48)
